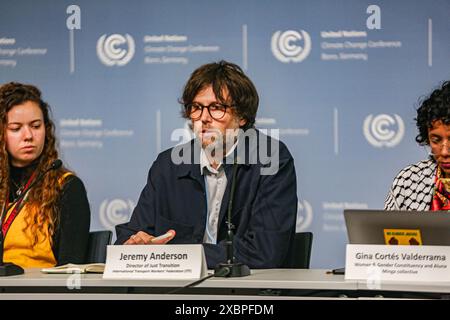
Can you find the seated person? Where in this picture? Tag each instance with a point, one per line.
(47, 224)
(426, 184)
(188, 187)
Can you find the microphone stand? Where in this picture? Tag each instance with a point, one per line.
(8, 268)
(234, 269)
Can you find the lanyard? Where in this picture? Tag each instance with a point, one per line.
(17, 207)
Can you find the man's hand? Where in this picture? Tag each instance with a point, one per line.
(144, 238)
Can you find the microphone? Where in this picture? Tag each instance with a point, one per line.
(54, 166)
(231, 269)
(8, 268)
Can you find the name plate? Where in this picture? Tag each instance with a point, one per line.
(184, 261)
(399, 263)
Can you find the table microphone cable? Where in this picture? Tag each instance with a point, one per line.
(222, 273)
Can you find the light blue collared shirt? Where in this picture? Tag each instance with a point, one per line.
(215, 184)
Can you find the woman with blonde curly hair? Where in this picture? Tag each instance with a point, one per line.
(45, 221)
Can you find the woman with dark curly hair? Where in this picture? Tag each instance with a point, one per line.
(47, 224)
(426, 184)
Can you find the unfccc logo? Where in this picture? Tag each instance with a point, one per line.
(115, 212)
(380, 131)
(291, 45)
(304, 216)
(111, 51)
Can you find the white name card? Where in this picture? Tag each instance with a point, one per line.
(398, 263)
(184, 261)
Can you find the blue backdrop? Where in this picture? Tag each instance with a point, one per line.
(340, 80)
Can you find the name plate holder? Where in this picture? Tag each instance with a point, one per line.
(162, 262)
(377, 263)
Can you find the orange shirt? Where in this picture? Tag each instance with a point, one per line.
(18, 243)
(18, 247)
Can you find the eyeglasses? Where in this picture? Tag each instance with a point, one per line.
(216, 110)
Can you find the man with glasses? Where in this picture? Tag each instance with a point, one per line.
(426, 184)
(189, 187)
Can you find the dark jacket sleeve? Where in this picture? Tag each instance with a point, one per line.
(264, 238)
(71, 237)
(143, 217)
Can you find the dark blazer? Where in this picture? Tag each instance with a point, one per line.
(264, 207)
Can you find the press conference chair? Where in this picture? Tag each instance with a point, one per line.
(98, 240)
(300, 254)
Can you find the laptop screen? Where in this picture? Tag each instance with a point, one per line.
(398, 227)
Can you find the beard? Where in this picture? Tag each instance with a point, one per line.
(215, 144)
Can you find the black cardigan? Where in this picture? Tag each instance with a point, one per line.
(71, 237)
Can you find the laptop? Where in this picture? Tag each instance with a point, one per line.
(398, 227)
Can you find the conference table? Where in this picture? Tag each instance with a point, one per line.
(261, 284)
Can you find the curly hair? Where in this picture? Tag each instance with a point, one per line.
(221, 76)
(44, 196)
(436, 107)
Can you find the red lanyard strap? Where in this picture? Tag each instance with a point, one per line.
(17, 208)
